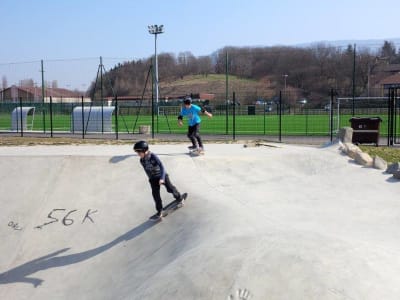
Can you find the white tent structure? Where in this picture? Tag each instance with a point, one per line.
(92, 118)
(21, 113)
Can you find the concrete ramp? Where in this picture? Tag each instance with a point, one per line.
(282, 222)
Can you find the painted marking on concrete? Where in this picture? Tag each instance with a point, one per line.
(67, 220)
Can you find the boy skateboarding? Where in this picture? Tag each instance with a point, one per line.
(191, 111)
(157, 176)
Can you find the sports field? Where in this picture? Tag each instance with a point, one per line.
(299, 124)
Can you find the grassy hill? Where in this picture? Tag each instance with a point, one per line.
(246, 89)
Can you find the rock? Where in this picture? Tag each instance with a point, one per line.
(250, 144)
(344, 147)
(380, 163)
(144, 129)
(351, 150)
(391, 169)
(345, 134)
(396, 174)
(363, 159)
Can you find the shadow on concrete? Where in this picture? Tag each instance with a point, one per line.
(23, 272)
(119, 158)
(392, 179)
(171, 154)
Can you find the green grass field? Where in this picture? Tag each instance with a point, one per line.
(309, 125)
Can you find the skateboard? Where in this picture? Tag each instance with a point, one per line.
(169, 208)
(196, 152)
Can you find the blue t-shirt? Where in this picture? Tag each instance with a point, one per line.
(192, 114)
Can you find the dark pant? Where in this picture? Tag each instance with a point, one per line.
(155, 189)
(193, 135)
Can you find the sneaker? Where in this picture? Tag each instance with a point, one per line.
(192, 147)
(181, 200)
(157, 217)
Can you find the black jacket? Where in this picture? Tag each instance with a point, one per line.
(153, 166)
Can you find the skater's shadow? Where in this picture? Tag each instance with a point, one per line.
(119, 158)
(171, 154)
(22, 273)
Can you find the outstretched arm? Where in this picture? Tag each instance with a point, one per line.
(208, 114)
(180, 123)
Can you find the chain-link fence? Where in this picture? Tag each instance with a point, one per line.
(75, 98)
(275, 120)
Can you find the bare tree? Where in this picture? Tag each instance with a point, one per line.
(312, 71)
(187, 64)
(166, 66)
(388, 51)
(205, 65)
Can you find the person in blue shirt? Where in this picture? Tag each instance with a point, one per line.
(191, 111)
(157, 176)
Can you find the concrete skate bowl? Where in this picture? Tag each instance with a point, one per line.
(281, 222)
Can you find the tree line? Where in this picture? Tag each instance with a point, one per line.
(312, 70)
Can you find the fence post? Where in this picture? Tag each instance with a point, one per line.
(264, 116)
(389, 141)
(20, 114)
(44, 119)
(102, 95)
(43, 98)
(72, 119)
(226, 95)
(353, 81)
(280, 116)
(83, 121)
(51, 116)
(116, 117)
(331, 115)
(306, 112)
(391, 109)
(234, 116)
(395, 115)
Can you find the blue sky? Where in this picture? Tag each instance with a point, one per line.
(43, 29)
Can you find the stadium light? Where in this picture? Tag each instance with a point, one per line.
(155, 30)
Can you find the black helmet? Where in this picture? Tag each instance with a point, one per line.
(187, 100)
(141, 146)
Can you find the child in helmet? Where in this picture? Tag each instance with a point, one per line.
(157, 176)
(191, 111)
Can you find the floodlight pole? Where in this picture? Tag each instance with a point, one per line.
(155, 30)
